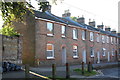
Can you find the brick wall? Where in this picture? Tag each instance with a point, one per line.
(42, 39)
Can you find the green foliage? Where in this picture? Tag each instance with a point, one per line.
(74, 18)
(86, 73)
(43, 6)
(8, 31)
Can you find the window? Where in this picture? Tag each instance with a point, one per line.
(113, 52)
(107, 39)
(91, 36)
(103, 39)
(103, 51)
(75, 51)
(111, 40)
(75, 34)
(49, 29)
(63, 31)
(92, 52)
(50, 51)
(83, 35)
(114, 40)
(98, 38)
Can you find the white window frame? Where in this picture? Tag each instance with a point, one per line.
(113, 51)
(92, 52)
(103, 38)
(103, 52)
(111, 40)
(75, 56)
(98, 37)
(63, 31)
(91, 36)
(83, 35)
(50, 50)
(75, 33)
(52, 25)
(107, 39)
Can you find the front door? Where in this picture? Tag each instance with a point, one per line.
(63, 55)
(108, 56)
(84, 56)
(98, 57)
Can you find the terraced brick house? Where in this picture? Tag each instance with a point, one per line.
(60, 39)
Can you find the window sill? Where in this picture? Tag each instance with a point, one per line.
(92, 56)
(75, 39)
(50, 58)
(75, 57)
(51, 35)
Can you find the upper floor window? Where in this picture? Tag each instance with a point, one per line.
(91, 36)
(103, 39)
(75, 51)
(75, 33)
(115, 40)
(103, 51)
(50, 51)
(83, 35)
(50, 29)
(92, 52)
(111, 40)
(63, 31)
(107, 39)
(98, 38)
(113, 51)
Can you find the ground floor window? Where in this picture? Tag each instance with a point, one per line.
(75, 51)
(92, 52)
(50, 51)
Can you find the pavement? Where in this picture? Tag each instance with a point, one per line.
(61, 71)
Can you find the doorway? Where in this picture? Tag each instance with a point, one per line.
(63, 55)
(84, 56)
(98, 57)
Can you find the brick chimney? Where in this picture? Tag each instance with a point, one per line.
(107, 29)
(113, 32)
(66, 14)
(100, 26)
(81, 20)
(92, 23)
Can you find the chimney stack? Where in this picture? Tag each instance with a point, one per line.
(92, 23)
(100, 26)
(113, 32)
(66, 14)
(81, 20)
(108, 29)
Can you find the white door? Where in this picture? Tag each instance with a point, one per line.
(63, 55)
(84, 56)
(98, 57)
(108, 56)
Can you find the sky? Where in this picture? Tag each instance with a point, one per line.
(105, 11)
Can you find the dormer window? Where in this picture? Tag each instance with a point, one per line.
(50, 30)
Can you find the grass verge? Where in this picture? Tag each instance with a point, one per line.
(86, 73)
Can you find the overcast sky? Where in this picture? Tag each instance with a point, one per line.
(105, 11)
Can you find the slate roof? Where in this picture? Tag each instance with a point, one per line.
(47, 15)
(69, 21)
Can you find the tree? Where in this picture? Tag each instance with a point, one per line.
(74, 18)
(9, 31)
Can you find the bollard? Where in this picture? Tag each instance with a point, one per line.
(89, 67)
(53, 71)
(67, 71)
(27, 71)
(82, 68)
